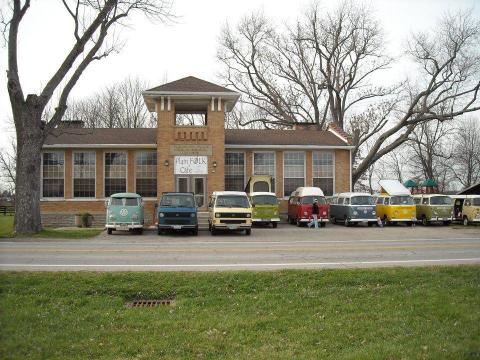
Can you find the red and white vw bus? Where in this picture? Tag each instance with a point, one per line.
(300, 206)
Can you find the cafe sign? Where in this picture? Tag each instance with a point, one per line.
(191, 165)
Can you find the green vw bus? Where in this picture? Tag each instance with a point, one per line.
(264, 208)
(434, 208)
(124, 212)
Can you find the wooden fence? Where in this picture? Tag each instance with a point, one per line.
(7, 210)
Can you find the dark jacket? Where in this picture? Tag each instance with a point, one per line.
(315, 208)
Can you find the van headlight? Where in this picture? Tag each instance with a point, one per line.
(135, 217)
(305, 213)
(161, 214)
(374, 213)
(192, 215)
(217, 215)
(355, 212)
(249, 215)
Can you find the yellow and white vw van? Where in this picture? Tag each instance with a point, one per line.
(395, 203)
(229, 210)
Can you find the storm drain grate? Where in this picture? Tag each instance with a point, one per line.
(151, 303)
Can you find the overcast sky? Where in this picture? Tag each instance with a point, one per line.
(186, 47)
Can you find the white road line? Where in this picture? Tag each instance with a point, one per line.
(380, 262)
(186, 242)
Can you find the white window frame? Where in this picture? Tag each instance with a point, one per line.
(41, 177)
(73, 175)
(274, 163)
(244, 165)
(126, 169)
(334, 168)
(135, 172)
(304, 170)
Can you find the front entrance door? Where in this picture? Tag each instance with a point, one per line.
(193, 183)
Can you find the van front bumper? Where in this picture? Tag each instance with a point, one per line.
(266, 220)
(438, 218)
(177, 226)
(402, 220)
(363, 220)
(319, 220)
(117, 226)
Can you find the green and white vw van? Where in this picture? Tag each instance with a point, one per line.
(433, 208)
(124, 212)
(264, 208)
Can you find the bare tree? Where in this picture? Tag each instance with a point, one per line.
(119, 105)
(323, 68)
(92, 22)
(8, 164)
(466, 153)
(315, 71)
(430, 152)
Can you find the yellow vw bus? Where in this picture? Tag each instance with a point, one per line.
(395, 203)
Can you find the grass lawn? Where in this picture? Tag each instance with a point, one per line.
(6, 231)
(6, 226)
(399, 313)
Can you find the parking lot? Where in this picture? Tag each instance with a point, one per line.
(266, 248)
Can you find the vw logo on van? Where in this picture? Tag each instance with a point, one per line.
(124, 212)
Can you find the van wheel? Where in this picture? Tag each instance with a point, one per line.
(333, 219)
(322, 224)
(159, 231)
(299, 223)
(274, 225)
(446, 223)
(248, 231)
(109, 231)
(195, 231)
(424, 220)
(213, 231)
(385, 221)
(465, 220)
(140, 231)
(346, 222)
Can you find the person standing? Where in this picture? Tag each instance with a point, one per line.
(314, 215)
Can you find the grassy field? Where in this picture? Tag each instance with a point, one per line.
(409, 313)
(6, 231)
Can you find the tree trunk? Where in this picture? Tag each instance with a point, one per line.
(27, 192)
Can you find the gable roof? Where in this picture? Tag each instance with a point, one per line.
(282, 137)
(87, 137)
(191, 84)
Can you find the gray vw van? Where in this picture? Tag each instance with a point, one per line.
(353, 208)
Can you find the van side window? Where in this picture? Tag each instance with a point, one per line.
(425, 201)
(340, 201)
(387, 201)
(417, 200)
(346, 201)
(380, 200)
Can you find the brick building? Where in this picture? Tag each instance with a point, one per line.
(190, 150)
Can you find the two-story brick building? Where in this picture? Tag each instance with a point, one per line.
(190, 150)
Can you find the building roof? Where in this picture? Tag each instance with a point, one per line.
(393, 187)
(283, 137)
(190, 90)
(141, 137)
(472, 190)
(87, 137)
(191, 84)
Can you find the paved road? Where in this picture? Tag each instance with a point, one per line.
(266, 249)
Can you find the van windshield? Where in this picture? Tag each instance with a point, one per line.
(233, 201)
(264, 200)
(476, 202)
(124, 201)
(309, 200)
(363, 200)
(176, 200)
(401, 200)
(440, 200)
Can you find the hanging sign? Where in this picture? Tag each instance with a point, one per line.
(191, 165)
